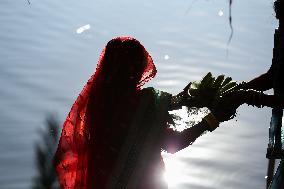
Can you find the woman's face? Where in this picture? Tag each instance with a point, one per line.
(125, 63)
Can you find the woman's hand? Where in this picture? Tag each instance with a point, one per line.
(225, 108)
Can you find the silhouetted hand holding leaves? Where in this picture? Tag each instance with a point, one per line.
(219, 94)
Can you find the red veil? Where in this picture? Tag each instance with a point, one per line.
(94, 128)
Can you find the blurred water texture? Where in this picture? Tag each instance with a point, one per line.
(45, 62)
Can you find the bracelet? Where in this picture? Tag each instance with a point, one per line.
(256, 99)
(212, 121)
(242, 85)
(260, 99)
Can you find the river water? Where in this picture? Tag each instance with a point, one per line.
(46, 60)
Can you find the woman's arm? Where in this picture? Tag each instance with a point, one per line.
(259, 99)
(174, 141)
(260, 83)
(273, 101)
(180, 99)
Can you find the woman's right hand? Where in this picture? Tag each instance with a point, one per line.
(226, 107)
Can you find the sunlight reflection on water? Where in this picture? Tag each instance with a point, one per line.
(174, 170)
(185, 118)
(220, 13)
(83, 28)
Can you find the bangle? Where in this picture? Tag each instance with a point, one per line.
(256, 99)
(212, 122)
(242, 85)
(260, 99)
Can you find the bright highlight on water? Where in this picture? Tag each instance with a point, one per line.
(83, 28)
(220, 13)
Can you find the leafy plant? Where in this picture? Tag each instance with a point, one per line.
(46, 176)
(209, 91)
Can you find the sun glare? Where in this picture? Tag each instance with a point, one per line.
(174, 173)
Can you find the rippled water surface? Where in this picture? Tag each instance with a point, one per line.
(46, 59)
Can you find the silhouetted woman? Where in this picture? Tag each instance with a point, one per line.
(114, 133)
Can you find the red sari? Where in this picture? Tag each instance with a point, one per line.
(110, 138)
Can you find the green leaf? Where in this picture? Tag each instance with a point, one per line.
(194, 85)
(219, 80)
(207, 80)
(194, 92)
(227, 88)
(226, 81)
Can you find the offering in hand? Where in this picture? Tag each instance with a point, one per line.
(209, 91)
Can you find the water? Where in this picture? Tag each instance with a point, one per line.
(45, 62)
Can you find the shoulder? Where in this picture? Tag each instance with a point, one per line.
(158, 95)
(155, 91)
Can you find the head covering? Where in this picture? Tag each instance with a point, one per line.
(87, 147)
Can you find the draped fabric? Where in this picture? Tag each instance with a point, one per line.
(139, 164)
(96, 134)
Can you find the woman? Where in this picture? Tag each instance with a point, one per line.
(114, 133)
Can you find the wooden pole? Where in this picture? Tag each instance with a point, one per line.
(275, 150)
(270, 172)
